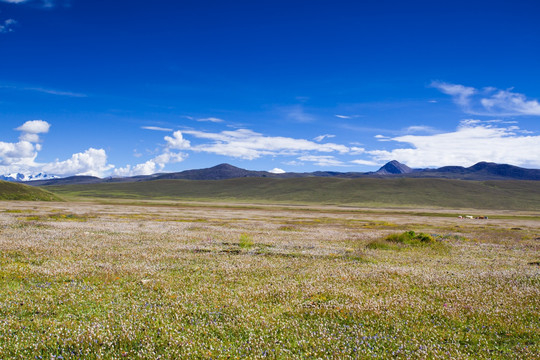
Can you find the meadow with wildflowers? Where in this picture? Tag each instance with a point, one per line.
(170, 280)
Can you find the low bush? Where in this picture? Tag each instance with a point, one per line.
(246, 242)
(411, 238)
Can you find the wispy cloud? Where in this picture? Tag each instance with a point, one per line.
(364, 162)
(247, 144)
(156, 128)
(322, 160)
(347, 116)
(7, 26)
(471, 142)
(420, 128)
(489, 101)
(322, 137)
(44, 90)
(40, 3)
(211, 119)
(297, 113)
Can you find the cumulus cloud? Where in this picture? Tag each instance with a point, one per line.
(247, 144)
(22, 153)
(489, 101)
(151, 166)
(277, 171)
(30, 130)
(472, 142)
(177, 141)
(35, 127)
(91, 162)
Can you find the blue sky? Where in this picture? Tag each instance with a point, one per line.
(117, 88)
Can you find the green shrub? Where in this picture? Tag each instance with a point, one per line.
(410, 238)
(246, 242)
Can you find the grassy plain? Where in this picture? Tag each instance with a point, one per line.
(197, 280)
(443, 193)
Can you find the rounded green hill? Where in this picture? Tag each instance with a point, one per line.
(16, 191)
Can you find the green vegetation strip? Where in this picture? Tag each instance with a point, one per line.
(441, 193)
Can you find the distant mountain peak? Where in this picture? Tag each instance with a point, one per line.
(20, 177)
(394, 167)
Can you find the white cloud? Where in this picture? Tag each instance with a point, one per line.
(322, 137)
(489, 101)
(247, 144)
(277, 171)
(505, 102)
(42, 3)
(321, 160)
(43, 90)
(177, 141)
(348, 116)
(472, 142)
(31, 130)
(297, 113)
(35, 127)
(364, 162)
(21, 153)
(419, 128)
(151, 166)
(155, 128)
(211, 119)
(7, 26)
(147, 168)
(92, 162)
(461, 94)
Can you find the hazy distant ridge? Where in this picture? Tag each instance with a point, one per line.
(480, 171)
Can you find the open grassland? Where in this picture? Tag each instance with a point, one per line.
(16, 191)
(178, 280)
(516, 195)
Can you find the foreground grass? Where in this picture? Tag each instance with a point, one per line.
(103, 281)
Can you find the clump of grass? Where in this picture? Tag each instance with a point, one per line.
(287, 228)
(411, 238)
(59, 217)
(397, 241)
(246, 242)
(380, 245)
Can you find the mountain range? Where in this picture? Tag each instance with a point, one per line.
(20, 177)
(393, 169)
